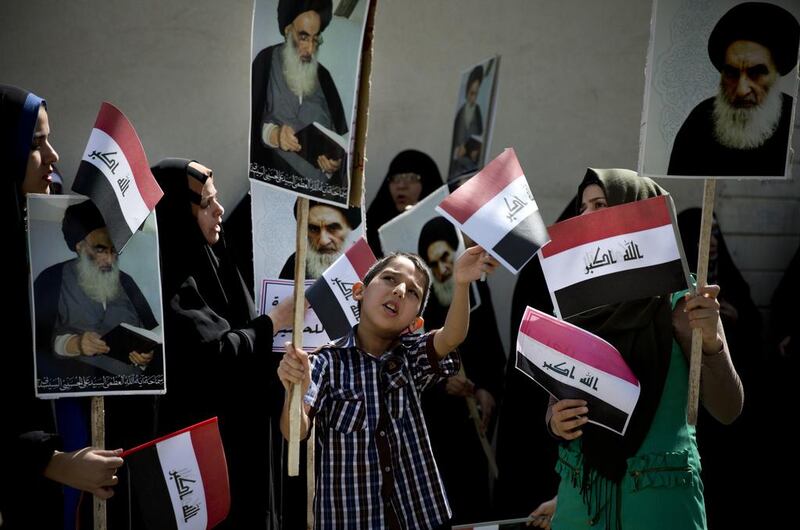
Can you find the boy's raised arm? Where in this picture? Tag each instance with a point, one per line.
(469, 267)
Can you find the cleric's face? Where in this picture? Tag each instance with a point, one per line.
(440, 257)
(305, 31)
(97, 246)
(327, 229)
(748, 74)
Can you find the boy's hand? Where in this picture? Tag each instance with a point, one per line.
(472, 264)
(294, 368)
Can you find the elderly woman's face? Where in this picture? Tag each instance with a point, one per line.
(593, 199)
(41, 158)
(209, 212)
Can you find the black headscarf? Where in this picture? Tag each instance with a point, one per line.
(642, 332)
(382, 209)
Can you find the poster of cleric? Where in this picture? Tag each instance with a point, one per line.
(96, 312)
(306, 62)
(331, 231)
(720, 89)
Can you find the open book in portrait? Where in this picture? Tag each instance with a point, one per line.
(316, 140)
(125, 338)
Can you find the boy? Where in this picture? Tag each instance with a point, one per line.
(376, 468)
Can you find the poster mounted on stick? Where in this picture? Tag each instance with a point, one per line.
(96, 314)
(720, 89)
(307, 63)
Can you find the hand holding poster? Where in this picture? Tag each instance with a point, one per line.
(497, 210)
(115, 174)
(571, 363)
(616, 254)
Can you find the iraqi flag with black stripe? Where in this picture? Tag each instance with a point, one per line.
(497, 210)
(616, 254)
(571, 363)
(115, 174)
(331, 296)
(180, 481)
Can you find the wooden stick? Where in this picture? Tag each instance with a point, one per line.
(311, 485)
(709, 190)
(472, 405)
(362, 110)
(99, 441)
(296, 400)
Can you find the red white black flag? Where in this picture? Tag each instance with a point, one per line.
(331, 296)
(497, 210)
(613, 255)
(115, 174)
(571, 363)
(181, 480)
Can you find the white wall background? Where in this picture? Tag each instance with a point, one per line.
(570, 95)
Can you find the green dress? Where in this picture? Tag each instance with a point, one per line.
(662, 486)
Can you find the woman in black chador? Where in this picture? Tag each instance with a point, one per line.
(218, 353)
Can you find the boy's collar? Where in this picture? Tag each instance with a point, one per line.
(349, 340)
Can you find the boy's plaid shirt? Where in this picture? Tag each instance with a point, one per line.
(373, 448)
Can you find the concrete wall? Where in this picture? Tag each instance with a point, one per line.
(570, 95)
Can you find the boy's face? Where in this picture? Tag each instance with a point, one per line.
(391, 301)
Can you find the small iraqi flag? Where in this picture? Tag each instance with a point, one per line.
(115, 174)
(331, 296)
(616, 254)
(497, 210)
(181, 480)
(571, 363)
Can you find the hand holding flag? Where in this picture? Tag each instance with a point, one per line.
(587, 373)
(496, 209)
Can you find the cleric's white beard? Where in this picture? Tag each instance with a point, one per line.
(746, 128)
(102, 287)
(469, 112)
(317, 262)
(300, 77)
(444, 290)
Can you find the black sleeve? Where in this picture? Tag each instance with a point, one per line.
(198, 323)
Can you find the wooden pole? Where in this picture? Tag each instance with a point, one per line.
(311, 485)
(296, 400)
(99, 441)
(472, 405)
(709, 191)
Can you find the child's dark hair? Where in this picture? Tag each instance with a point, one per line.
(419, 265)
